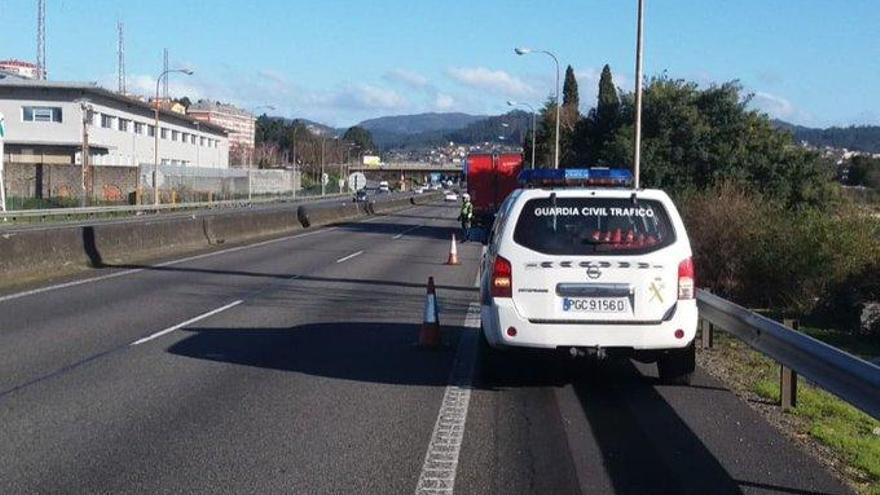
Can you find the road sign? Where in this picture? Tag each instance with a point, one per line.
(325, 179)
(357, 181)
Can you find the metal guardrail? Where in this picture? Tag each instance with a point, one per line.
(91, 211)
(852, 379)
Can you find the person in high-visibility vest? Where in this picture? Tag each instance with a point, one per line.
(466, 216)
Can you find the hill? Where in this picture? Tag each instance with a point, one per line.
(859, 138)
(419, 123)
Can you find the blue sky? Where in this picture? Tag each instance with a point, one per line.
(807, 61)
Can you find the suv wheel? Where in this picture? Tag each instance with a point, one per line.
(676, 367)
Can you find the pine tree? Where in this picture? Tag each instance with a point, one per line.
(570, 96)
(608, 106)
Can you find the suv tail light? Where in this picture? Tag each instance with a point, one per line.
(686, 278)
(502, 278)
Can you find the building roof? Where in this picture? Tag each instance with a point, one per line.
(93, 88)
(18, 63)
(216, 106)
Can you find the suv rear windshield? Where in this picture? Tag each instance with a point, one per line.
(579, 226)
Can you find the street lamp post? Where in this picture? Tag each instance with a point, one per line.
(525, 51)
(637, 153)
(156, 146)
(534, 122)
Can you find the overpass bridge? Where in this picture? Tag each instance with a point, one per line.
(406, 172)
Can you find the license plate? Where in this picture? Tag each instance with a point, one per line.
(595, 305)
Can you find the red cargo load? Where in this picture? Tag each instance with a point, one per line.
(490, 178)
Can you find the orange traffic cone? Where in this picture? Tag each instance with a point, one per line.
(429, 335)
(453, 253)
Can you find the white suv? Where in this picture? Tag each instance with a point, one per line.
(592, 271)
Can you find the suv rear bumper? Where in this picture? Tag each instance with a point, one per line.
(501, 314)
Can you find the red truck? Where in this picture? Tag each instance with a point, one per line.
(490, 178)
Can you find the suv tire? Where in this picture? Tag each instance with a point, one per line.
(676, 367)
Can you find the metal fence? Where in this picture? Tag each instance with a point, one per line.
(852, 379)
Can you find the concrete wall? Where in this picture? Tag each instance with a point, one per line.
(111, 184)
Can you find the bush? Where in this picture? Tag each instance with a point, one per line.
(796, 260)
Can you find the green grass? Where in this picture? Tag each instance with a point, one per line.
(848, 432)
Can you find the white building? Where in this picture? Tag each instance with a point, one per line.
(19, 68)
(44, 125)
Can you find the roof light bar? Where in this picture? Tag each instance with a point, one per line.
(576, 177)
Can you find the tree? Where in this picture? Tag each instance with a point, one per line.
(185, 101)
(863, 170)
(361, 137)
(695, 138)
(570, 96)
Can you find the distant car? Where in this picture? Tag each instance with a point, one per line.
(420, 190)
(451, 196)
(436, 187)
(384, 187)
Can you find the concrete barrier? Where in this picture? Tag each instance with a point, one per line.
(42, 254)
(324, 214)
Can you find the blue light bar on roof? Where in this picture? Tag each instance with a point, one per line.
(574, 177)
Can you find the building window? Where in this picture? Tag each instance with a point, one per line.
(123, 125)
(164, 133)
(106, 121)
(41, 114)
(138, 128)
(202, 141)
(175, 135)
(192, 138)
(151, 130)
(184, 137)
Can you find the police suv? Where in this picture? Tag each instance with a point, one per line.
(579, 261)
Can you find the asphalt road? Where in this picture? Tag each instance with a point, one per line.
(290, 366)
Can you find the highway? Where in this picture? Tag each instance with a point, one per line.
(290, 366)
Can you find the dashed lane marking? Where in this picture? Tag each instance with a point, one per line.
(407, 231)
(441, 460)
(187, 322)
(350, 256)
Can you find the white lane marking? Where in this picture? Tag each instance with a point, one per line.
(441, 459)
(350, 256)
(187, 322)
(407, 231)
(123, 273)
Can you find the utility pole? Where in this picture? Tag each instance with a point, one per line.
(165, 69)
(638, 123)
(86, 175)
(2, 181)
(120, 62)
(42, 71)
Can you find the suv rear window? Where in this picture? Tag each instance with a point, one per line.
(580, 226)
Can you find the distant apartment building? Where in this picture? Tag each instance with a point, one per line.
(240, 125)
(44, 126)
(19, 68)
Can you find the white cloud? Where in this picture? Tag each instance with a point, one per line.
(444, 102)
(491, 80)
(773, 105)
(368, 97)
(408, 77)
